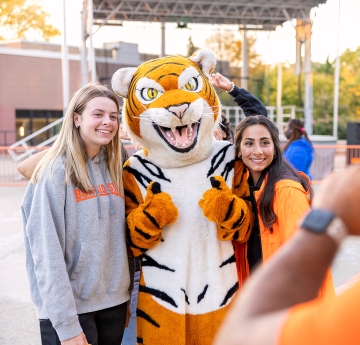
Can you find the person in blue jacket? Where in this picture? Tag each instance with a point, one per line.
(298, 150)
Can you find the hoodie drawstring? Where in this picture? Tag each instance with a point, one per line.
(96, 191)
(111, 212)
(107, 190)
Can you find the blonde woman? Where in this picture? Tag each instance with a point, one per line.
(73, 214)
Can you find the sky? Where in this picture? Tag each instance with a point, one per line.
(273, 47)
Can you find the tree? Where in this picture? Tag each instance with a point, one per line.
(323, 92)
(191, 47)
(349, 94)
(227, 45)
(21, 18)
(350, 83)
(289, 86)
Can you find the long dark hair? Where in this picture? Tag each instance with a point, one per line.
(295, 131)
(278, 170)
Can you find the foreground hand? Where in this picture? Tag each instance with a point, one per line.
(78, 340)
(220, 81)
(340, 193)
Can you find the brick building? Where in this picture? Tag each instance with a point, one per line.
(31, 82)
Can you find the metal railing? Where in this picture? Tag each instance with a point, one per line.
(4, 136)
(287, 112)
(328, 158)
(30, 150)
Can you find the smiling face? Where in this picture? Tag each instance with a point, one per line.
(171, 109)
(98, 124)
(171, 96)
(257, 149)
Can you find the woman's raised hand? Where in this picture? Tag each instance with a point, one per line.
(220, 81)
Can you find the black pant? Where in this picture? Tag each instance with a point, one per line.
(103, 327)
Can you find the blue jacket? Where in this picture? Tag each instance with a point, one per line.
(300, 154)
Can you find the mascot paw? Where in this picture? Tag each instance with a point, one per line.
(159, 206)
(217, 202)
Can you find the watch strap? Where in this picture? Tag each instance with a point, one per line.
(337, 230)
(322, 221)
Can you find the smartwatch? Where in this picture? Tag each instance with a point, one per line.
(325, 222)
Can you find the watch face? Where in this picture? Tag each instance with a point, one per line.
(317, 220)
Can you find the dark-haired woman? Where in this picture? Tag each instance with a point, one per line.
(298, 150)
(280, 195)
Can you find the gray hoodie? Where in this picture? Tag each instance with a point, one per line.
(76, 256)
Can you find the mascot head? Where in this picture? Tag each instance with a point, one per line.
(171, 107)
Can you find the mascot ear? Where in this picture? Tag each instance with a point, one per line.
(206, 60)
(121, 80)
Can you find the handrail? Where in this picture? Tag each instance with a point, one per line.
(23, 142)
(42, 130)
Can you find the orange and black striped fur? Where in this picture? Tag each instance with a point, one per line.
(182, 214)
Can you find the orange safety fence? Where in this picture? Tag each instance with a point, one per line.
(328, 158)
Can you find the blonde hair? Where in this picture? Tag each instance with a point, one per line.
(70, 146)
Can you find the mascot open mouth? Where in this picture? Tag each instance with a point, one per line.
(182, 139)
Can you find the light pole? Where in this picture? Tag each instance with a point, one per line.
(336, 81)
(65, 64)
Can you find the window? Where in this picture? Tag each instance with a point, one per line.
(30, 121)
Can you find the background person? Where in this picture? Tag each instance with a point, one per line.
(279, 305)
(73, 215)
(298, 150)
(223, 130)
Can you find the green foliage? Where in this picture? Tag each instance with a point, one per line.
(349, 94)
(290, 94)
(263, 83)
(326, 68)
(323, 92)
(350, 83)
(19, 18)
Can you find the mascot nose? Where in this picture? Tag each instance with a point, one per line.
(179, 110)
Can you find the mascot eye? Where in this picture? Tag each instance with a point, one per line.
(149, 93)
(191, 85)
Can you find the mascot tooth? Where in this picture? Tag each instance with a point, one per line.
(182, 214)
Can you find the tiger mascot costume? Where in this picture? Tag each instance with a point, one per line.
(182, 215)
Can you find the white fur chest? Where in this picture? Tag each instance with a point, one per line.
(190, 265)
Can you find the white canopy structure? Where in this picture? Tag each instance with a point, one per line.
(248, 15)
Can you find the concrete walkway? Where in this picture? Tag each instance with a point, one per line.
(18, 321)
